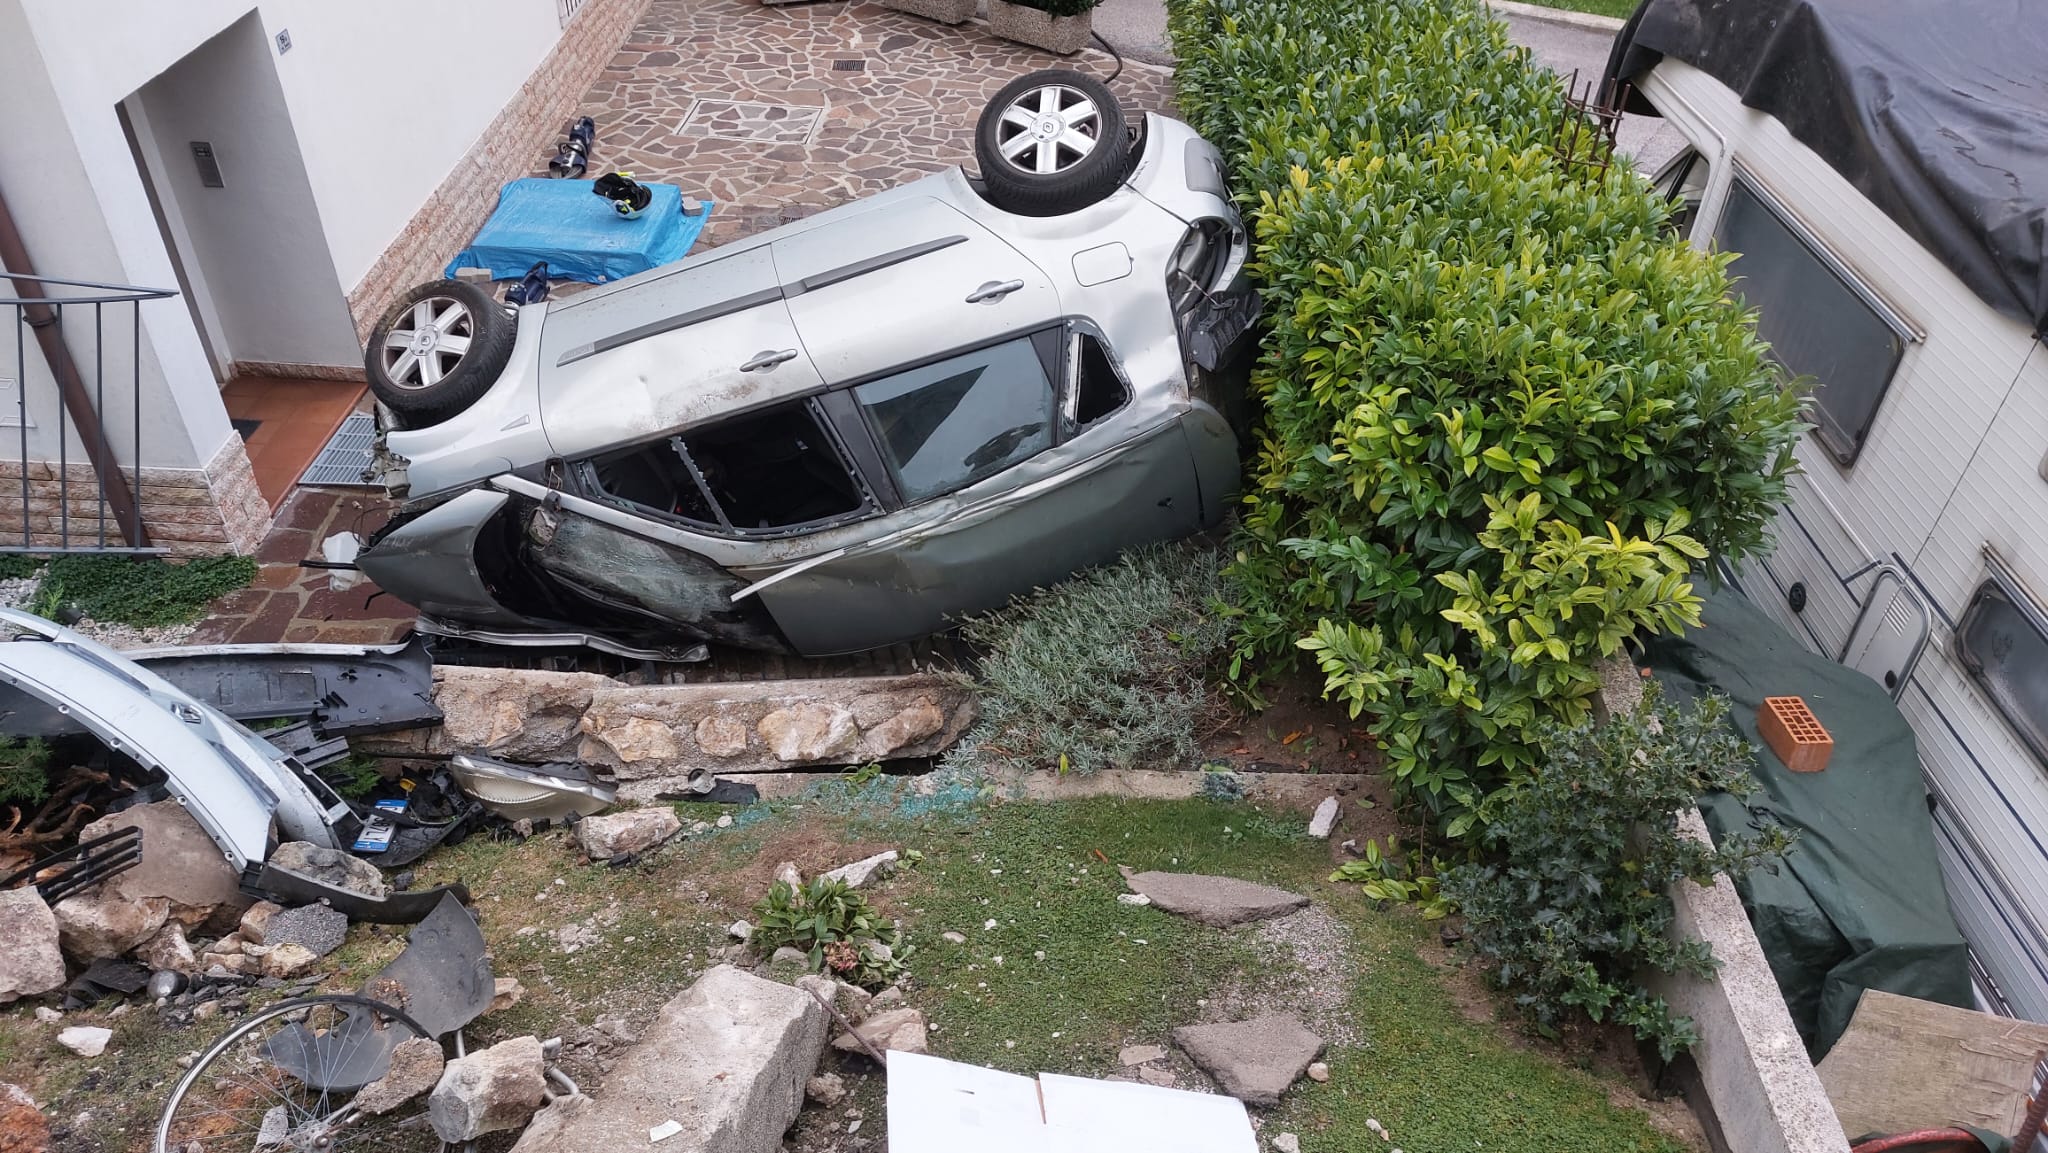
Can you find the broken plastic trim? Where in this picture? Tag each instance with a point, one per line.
(291, 888)
(550, 792)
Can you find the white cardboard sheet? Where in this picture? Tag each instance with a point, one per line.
(939, 1106)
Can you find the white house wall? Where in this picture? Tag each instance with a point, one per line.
(253, 245)
(47, 176)
(1950, 466)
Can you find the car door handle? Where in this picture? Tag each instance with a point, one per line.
(768, 360)
(994, 290)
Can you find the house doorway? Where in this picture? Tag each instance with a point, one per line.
(219, 156)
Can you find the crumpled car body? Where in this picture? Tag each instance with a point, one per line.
(247, 793)
(846, 432)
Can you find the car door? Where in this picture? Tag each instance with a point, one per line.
(911, 279)
(645, 357)
(1007, 480)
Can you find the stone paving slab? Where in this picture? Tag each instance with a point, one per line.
(287, 603)
(778, 127)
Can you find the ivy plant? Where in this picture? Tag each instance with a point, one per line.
(1569, 901)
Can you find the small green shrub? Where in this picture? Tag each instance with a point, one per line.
(1572, 900)
(18, 566)
(835, 926)
(1224, 785)
(1398, 876)
(1506, 416)
(146, 593)
(1107, 670)
(24, 771)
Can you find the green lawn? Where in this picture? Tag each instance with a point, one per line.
(1110, 974)
(1621, 9)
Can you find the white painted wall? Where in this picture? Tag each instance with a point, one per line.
(384, 96)
(256, 239)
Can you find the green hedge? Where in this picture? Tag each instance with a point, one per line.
(1507, 416)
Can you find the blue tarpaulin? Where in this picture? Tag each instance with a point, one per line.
(577, 232)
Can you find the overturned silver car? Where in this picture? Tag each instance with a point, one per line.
(839, 434)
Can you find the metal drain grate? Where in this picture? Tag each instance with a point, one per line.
(342, 462)
(849, 66)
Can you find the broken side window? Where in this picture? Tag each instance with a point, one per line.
(948, 424)
(1099, 389)
(768, 470)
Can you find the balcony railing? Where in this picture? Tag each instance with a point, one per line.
(83, 379)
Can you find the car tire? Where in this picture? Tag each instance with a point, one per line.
(437, 351)
(1050, 143)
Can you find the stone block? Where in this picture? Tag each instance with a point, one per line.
(31, 958)
(180, 863)
(727, 1059)
(489, 1091)
(100, 923)
(627, 831)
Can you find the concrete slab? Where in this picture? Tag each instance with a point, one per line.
(727, 1060)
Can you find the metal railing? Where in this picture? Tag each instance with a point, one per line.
(104, 319)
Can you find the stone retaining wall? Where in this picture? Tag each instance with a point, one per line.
(655, 739)
(189, 511)
(1761, 1089)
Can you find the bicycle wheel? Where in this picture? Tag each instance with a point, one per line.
(286, 1079)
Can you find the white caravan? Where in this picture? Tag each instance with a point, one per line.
(1914, 545)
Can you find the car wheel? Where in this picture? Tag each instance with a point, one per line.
(1051, 142)
(438, 350)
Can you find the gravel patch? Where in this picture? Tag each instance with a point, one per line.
(16, 593)
(1306, 968)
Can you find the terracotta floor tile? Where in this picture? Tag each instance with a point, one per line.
(297, 419)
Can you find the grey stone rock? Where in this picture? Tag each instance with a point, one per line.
(505, 993)
(953, 937)
(287, 960)
(180, 863)
(722, 736)
(789, 955)
(330, 867)
(167, 948)
(810, 732)
(1139, 1054)
(1286, 1143)
(787, 873)
(1254, 1061)
(826, 1089)
(1318, 1072)
(101, 923)
(1218, 901)
(739, 1050)
(31, 955)
(1325, 819)
(901, 1030)
(867, 869)
(85, 1040)
(488, 1091)
(254, 919)
(626, 831)
(416, 1067)
(1154, 1075)
(917, 721)
(740, 931)
(47, 1015)
(518, 714)
(319, 928)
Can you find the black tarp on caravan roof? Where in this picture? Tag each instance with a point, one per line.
(1936, 110)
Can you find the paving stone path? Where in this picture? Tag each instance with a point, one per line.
(777, 112)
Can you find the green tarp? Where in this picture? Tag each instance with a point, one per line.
(1858, 902)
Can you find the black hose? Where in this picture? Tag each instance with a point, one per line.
(1114, 55)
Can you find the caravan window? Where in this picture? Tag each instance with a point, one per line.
(2004, 644)
(1684, 179)
(1819, 325)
